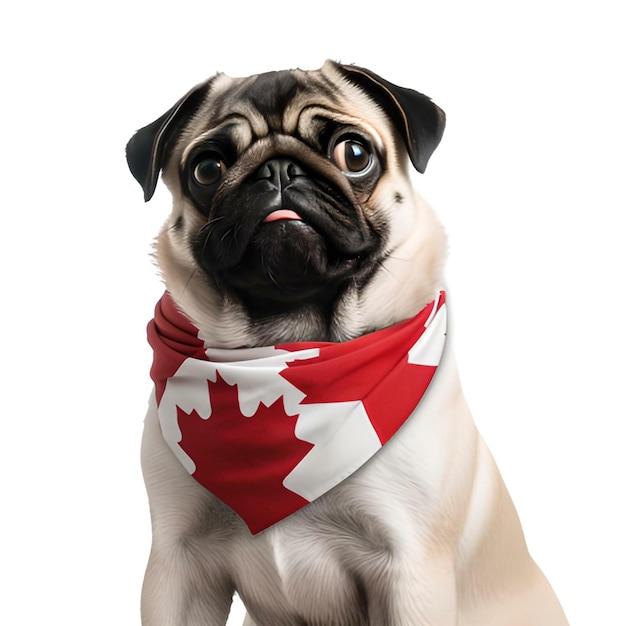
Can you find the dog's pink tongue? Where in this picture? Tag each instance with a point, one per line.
(282, 214)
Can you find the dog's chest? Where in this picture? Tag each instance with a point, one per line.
(328, 564)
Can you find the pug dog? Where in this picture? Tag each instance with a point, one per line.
(295, 223)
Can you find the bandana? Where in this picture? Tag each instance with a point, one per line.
(268, 430)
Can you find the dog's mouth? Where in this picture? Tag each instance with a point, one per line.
(279, 246)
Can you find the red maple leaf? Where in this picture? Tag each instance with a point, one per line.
(244, 460)
(389, 386)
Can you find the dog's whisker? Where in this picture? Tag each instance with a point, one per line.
(227, 234)
(187, 283)
(381, 265)
(394, 257)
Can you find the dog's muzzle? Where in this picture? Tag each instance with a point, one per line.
(285, 234)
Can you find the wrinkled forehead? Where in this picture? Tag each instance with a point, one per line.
(290, 102)
(273, 101)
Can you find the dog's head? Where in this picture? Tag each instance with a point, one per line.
(293, 214)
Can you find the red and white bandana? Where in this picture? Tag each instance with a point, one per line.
(268, 430)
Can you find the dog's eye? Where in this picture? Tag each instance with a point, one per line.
(351, 156)
(208, 170)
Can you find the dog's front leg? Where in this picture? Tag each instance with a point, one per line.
(412, 596)
(186, 581)
(177, 592)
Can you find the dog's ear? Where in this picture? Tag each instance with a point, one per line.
(147, 151)
(420, 121)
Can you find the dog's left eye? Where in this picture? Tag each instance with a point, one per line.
(351, 156)
(208, 170)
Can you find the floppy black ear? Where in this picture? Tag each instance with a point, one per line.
(420, 121)
(146, 152)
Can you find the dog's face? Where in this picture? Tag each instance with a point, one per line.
(293, 214)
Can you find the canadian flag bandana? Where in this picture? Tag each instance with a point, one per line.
(268, 430)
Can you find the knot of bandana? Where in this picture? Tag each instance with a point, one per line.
(268, 430)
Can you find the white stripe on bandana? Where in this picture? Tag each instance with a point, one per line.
(268, 430)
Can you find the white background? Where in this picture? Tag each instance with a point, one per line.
(529, 181)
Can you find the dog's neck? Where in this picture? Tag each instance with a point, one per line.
(230, 326)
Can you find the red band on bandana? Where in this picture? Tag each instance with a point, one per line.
(268, 430)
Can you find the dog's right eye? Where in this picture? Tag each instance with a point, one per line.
(208, 170)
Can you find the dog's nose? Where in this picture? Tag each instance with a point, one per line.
(280, 172)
